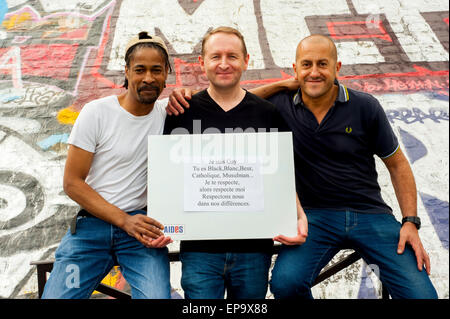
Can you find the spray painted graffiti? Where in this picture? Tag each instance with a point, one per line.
(57, 55)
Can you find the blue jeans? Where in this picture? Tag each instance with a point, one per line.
(374, 236)
(207, 275)
(82, 260)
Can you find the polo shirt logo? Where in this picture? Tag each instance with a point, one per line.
(348, 129)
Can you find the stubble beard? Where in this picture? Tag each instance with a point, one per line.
(148, 99)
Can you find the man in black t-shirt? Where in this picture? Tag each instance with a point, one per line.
(209, 267)
(337, 131)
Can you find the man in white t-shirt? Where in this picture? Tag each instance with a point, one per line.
(106, 174)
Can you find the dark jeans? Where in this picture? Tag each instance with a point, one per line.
(374, 236)
(207, 275)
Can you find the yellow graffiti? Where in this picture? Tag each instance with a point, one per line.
(67, 116)
(111, 278)
(16, 20)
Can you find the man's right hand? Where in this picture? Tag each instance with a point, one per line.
(178, 101)
(146, 230)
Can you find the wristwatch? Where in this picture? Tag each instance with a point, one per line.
(412, 219)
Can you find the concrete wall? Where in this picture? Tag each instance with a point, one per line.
(57, 55)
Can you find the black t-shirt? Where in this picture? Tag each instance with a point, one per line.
(334, 161)
(205, 116)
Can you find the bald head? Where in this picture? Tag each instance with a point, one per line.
(316, 68)
(314, 40)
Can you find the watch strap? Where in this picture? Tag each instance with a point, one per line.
(412, 219)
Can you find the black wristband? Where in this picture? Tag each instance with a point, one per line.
(412, 219)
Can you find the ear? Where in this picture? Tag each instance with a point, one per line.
(202, 62)
(338, 67)
(246, 59)
(295, 71)
(126, 72)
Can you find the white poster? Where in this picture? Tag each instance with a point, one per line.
(222, 186)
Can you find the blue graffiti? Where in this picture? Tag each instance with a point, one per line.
(438, 212)
(367, 288)
(415, 149)
(3, 9)
(52, 140)
(9, 98)
(437, 209)
(438, 96)
(413, 115)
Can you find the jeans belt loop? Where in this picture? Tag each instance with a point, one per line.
(73, 223)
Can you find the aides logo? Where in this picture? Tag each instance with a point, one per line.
(174, 229)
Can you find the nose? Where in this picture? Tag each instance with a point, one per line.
(314, 71)
(223, 63)
(148, 77)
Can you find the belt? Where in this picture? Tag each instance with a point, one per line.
(85, 213)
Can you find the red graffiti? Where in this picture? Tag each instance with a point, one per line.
(99, 58)
(358, 30)
(420, 80)
(78, 34)
(45, 60)
(191, 75)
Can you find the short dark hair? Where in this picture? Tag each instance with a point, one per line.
(134, 48)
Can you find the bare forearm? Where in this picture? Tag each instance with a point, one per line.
(403, 182)
(95, 204)
(268, 90)
(405, 191)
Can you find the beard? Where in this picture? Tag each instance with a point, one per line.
(148, 94)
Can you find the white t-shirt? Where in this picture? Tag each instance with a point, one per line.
(118, 140)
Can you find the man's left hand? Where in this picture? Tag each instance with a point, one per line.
(410, 235)
(160, 242)
(302, 233)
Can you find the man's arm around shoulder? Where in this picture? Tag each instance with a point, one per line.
(178, 99)
(266, 91)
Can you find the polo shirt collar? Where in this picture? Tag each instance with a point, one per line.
(342, 94)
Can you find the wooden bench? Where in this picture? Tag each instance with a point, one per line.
(46, 266)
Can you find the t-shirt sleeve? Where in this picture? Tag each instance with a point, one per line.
(383, 139)
(85, 130)
(170, 124)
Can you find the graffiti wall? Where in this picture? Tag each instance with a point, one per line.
(57, 55)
